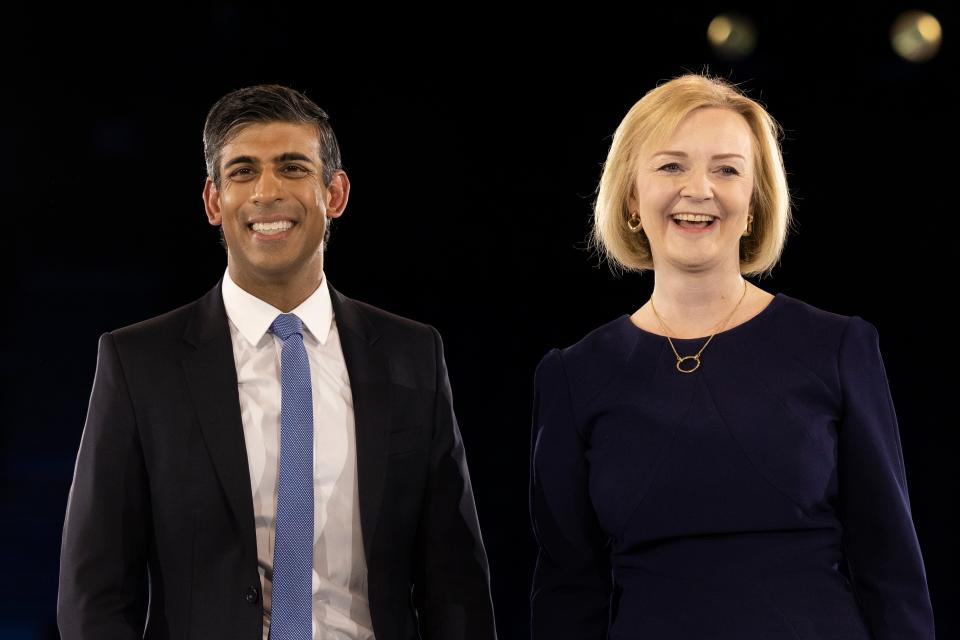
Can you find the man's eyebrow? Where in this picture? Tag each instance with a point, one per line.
(240, 160)
(683, 155)
(289, 156)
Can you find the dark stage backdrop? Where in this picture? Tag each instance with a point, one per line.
(474, 143)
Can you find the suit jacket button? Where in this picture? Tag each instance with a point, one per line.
(252, 596)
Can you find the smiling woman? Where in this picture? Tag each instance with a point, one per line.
(703, 183)
(754, 493)
(662, 142)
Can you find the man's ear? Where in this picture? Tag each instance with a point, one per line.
(211, 202)
(338, 192)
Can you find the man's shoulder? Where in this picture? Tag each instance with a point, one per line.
(166, 330)
(405, 342)
(369, 318)
(388, 323)
(161, 324)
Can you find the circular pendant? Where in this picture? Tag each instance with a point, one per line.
(695, 358)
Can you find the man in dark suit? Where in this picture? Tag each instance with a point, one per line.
(173, 526)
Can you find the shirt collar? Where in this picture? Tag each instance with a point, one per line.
(252, 316)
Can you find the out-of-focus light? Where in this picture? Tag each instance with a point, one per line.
(732, 36)
(916, 36)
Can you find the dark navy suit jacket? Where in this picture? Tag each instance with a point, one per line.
(159, 538)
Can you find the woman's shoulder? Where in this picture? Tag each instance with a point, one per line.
(818, 337)
(609, 340)
(593, 359)
(807, 319)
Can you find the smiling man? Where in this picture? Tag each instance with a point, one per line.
(275, 459)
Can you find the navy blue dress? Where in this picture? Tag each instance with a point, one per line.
(761, 496)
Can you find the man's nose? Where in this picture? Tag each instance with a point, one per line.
(267, 188)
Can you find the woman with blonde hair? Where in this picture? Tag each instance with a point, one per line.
(724, 462)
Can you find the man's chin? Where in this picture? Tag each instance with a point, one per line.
(277, 268)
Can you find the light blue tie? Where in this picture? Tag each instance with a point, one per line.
(292, 601)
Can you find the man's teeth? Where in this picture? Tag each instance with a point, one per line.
(270, 228)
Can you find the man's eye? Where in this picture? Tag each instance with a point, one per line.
(294, 168)
(239, 173)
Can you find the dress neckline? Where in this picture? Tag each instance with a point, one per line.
(760, 315)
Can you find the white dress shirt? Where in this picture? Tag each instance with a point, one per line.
(340, 607)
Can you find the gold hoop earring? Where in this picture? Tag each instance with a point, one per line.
(634, 224)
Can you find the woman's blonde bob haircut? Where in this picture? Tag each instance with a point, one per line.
(650, 123)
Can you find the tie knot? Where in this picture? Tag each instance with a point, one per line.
(285, 325)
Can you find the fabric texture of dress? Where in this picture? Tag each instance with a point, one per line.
(761, 496)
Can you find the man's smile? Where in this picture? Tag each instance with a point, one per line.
(271, 231)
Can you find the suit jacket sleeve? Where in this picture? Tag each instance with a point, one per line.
(452, 583)
(572, 581)
(103, 566)
(880, 543)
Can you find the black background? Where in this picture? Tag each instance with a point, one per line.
(474, 140)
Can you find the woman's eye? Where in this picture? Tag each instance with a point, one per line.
(673, 166)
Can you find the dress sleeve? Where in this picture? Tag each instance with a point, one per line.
(572, 582)
(880, 543)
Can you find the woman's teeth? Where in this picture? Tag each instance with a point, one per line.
(693, 220)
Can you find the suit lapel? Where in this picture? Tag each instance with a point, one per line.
(369, 372)
(212, 381)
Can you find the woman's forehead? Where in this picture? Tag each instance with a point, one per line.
(722, 134)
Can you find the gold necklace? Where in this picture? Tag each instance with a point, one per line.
(695, 357)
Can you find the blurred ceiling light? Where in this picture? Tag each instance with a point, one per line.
(916, 36)
(732, 36)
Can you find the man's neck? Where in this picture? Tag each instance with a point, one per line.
(284, 292)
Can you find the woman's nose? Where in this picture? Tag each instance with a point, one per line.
(697, 185)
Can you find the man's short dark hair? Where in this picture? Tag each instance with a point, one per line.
(263, 104)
